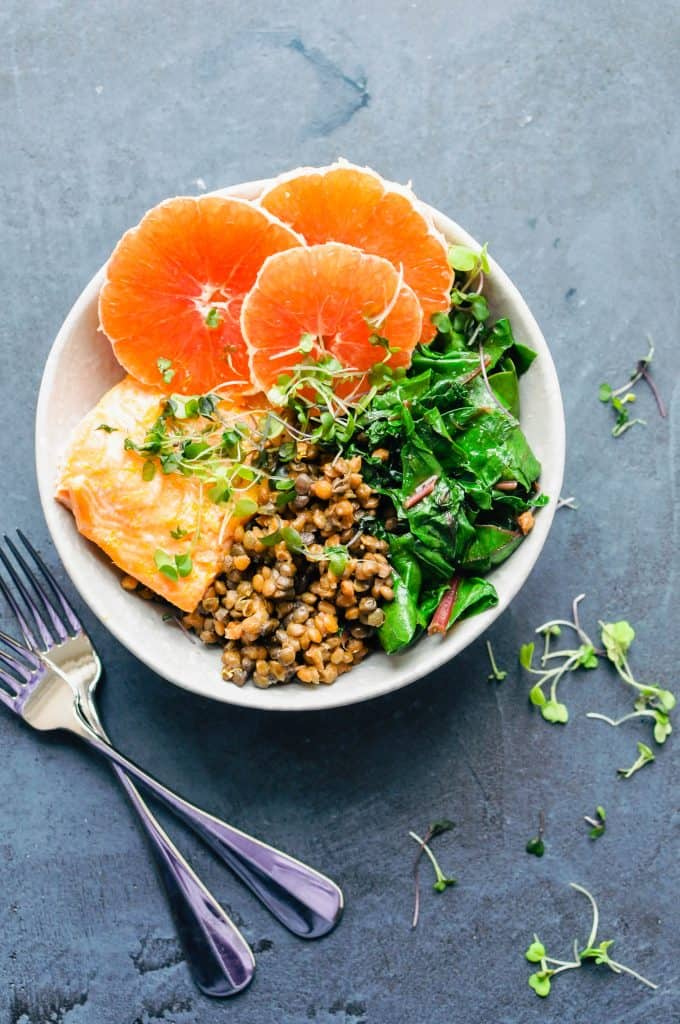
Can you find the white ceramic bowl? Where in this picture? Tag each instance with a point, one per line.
(81, 367)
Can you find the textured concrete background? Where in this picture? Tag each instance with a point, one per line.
(551, 130)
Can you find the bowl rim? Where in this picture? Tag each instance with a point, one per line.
(336, 695)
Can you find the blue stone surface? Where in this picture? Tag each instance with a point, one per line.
(552, 131)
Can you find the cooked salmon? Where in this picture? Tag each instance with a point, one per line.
(130, 518)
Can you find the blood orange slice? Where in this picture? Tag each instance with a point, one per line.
(174, 289)
(344, 302)
(344, 203)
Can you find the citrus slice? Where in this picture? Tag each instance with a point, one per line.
(345, 203)
(174, 288)
(341, 301)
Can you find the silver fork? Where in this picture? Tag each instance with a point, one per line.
(51, 680)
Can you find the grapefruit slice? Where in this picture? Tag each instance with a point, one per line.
(344, 302)
(345, 203)
(174, 287)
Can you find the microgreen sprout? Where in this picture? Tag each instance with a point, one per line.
(651, 701)
(645, 756)
(337, 555)
(212, 318)
(178, 533)
(535, 845)
(597, 952)
(441, 882)
(173, 566)
(567, 503)
(619, 398)
(469, 261)
(107, 429)
(570, 659)
(165, 369)
(598, 823)
(496, 673)
(245, 507)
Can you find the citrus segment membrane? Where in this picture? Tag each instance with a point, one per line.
(333, 300)
(355, 205)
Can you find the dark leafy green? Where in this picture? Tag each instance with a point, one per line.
(452, 436)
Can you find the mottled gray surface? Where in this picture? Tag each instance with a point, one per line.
(552, 130)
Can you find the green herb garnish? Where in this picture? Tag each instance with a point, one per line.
(212, 318)
(306, 343)
(496, 673)
(598, 824)
(173, 566)
(598, 952)
(535, 845)
(178, 533)
(645, 756)
(654, 702)
(107, 429)
(337, 555)
(441, 882)
(621, 397)
(570, 659)
(245, 507)
(165, 369)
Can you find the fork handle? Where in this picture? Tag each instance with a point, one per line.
(306, 902)
(220, 959)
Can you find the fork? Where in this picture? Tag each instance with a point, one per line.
(50, 682)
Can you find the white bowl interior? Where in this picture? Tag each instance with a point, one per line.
(81, 368)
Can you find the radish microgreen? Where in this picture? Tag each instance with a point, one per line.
(165, 369)
(651, 701)
(536, 845)
(619, 398)
(441, 882)
(598, 823)
(570, 659)
(173, 566)
(597, 952)
(337, 555)
(645, 756)
(497, 674)
(212, 318)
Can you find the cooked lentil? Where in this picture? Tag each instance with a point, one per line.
(283, 615)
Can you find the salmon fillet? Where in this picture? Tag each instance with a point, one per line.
(128, 517)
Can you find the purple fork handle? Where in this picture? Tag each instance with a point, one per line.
(306, 902)
(219, 958)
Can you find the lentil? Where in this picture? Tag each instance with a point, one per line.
(281, 616)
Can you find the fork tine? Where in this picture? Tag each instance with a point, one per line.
(13, 663)
(71, 617)
(9, 680)
(18, 614)
(57, 623)
(25, 653)
(8, 700)
(16, 669)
